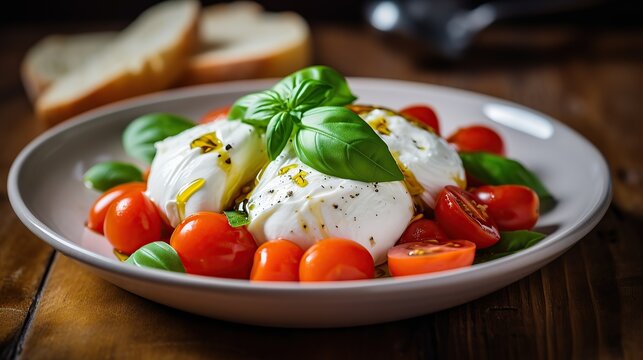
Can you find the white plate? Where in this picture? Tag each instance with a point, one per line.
(46, 191)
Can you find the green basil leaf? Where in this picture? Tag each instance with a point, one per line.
(510, 243)
(309, 94)
(239, 108)
(492, 169)
(278, 133)
(266, 105)
(157, 255)
(337, 142)
(341, 94)
(106, 175)
(237, 218)
(141, 134)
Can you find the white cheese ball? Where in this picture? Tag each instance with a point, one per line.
(423, 155)
(295, 202)
(204, 168)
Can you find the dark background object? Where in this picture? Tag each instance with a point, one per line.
(617, 13)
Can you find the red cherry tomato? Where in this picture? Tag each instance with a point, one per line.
(425, 114)
(422, 230)
(131, 222)
(99, 209)
(336, 259)
(277, 260)
(208, 245)
(216, 114)
(512, 207)
(477, 138)
(462, 218)
(426, 257)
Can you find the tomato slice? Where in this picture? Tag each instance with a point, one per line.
(477, 138)
(336, 259)
(208, 245)
(277, 260)
(422, 230)
(424, 114)
(512, 207)
(215, 115)
(430, 256)
(131, 222)
(98, 211)
(461, 217)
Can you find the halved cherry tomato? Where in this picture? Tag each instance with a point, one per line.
(277, 260)
(208, 245)
(462, 218)
(216, 114)
(99, 209)
(425, 114)
(336, 259)
(131, 222)
(477, 138)
(512, 207)
(426, 257)
(422, 230)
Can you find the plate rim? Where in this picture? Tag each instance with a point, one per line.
(512, 262)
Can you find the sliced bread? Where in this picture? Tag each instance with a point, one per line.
(54, 56)
(148, 56)
(241, 41)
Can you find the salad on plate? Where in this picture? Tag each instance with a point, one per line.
(300, 183)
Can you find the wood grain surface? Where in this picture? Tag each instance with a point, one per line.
(586, 304)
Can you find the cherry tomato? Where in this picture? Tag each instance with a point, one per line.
(131, 222)
(462, 218)
(477, 138)
(430, 256)
(216, 114)
(99, 209)
(512, 207)
(208, 245)
(422, 230)
(425, 114)
(277, 260)
(336, 259)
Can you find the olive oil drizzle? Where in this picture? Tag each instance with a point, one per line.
(209, 143)
(185, 194)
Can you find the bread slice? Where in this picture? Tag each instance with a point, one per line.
(241, 41)
(54, 56)
(147, 56)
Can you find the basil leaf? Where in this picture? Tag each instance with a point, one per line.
(510, 243)
(237, 218)
(266, 105)
(141, 134)
(278, 133)
(337, 142)
(309, 94)
(106, 175)
(492, 169)
(341, 94)
(239, 108)
(157, 255)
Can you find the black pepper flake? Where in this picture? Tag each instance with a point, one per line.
(356, 195)
(352, 196)
(322, 187)
(336, 227)
(354, 218)
(228, 161)
(341, 186)
(228, 147)
(305, 226)
(377, 190)
(323, 226)
(271, 191)
(219, 155)
(289, 193)
(335, 206)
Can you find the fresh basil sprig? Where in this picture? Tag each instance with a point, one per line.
(106, 175)
(492, 169)
(157, 255)
(237, 218)
(510, 243)
(336, 141)
(141, 134)
(307, 107)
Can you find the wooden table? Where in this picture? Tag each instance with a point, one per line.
(586, 304)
